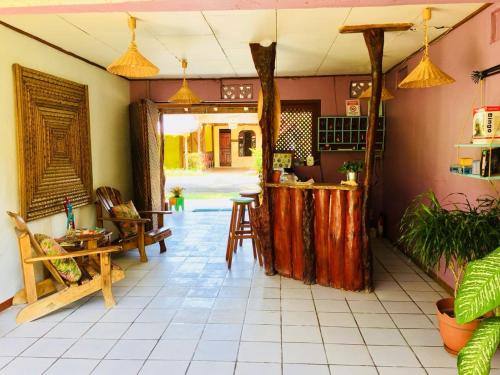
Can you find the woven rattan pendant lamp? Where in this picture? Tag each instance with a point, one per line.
(426, 74)
(184, 95)
(132, 64)
(386, 94)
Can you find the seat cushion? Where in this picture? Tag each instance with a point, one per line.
(127, 211)
(67, 268)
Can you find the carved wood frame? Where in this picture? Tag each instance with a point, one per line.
(53, 143)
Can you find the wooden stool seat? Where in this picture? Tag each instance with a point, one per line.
(238, 231)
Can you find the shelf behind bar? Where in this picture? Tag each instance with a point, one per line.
(477, 145)
(496, 177)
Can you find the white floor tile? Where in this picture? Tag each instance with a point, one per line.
(341, 354)
(354, 370)
(434, 357)
(412, 321)
(401, 307)
(299, 318)
(216, 351)
(210, 367)
(259, 352)
(341, 335)
(374, 320)
(48, 347)
(27, 365)
(422, 337)
(106, 331)
(183, 331)
(77, 366)
(89, 349)
(32, 329)
(323, 305)
(155, 367)
(120, 316)
(266, 304)
(372, 307)
(174, 350)
(85, 315)
(382, 336)
(261, 332)
(131, 349)
(118, 366)
(310, 334)
(13, 346)
(336, 319)
(297, 305)
(401, 356)
(304, 353)
(301, 369)
(250, 368)
(406, 371)
(155, 316)
(145, 331)
(262, 317)
(222, 332)
(69, 330)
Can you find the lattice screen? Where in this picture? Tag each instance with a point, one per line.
(296, 131)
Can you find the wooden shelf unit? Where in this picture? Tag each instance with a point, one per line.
(481, 146)
(347, 133)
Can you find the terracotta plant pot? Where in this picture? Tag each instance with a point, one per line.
(276, 177)
(172, 201)
(454, 335)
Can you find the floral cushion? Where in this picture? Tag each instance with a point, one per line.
(67, 268)
(127, 211)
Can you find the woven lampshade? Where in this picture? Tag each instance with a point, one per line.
(184, 95)
(386, 94)
(132, 64)
(425, 74)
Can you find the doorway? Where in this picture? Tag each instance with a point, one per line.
(225, 147)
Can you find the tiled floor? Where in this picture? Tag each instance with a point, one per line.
(184, 313)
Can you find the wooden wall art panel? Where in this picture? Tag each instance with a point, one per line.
(53, 136)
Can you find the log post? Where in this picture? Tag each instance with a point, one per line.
(264, 59)
(308, 238)
(374, 39)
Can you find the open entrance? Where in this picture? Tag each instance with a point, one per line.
(212, 153)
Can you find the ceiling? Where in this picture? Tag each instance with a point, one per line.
(216, 42)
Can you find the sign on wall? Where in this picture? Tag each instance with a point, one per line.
(53, 136)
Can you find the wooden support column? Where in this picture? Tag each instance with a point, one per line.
(264, 59)
(374, 39)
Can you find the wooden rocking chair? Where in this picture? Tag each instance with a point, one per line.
(109, 197)
(54, 292)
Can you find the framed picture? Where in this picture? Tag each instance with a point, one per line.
(282, 159)
(357, 87)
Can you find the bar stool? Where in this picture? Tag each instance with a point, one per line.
(236, 232)
(242, 222)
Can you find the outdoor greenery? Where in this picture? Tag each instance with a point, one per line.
(257, 153)
(195, 161)
(479, 294)
(351, 166)
(177, 191)
(458, 233)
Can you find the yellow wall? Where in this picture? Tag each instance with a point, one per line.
(173, 151)
(236, 161)
(108, 98)
(208, 137)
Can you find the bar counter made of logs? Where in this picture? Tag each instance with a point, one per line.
(317, 233)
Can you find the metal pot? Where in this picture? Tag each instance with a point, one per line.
(352, 176)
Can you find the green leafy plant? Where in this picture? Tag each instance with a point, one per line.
(195, 161)
(257, 153)
(351, 166)
(458, 232)
(479, 294)
(177, 191)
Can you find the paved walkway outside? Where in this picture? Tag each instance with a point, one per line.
(184, 313)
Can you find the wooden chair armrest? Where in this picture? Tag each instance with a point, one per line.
(75, 254)
(124, 219)
(156, 212)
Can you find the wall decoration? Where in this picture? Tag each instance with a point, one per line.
(237, 91)
(282, 159)
(53, 136)
(352, 107)
(357, 87)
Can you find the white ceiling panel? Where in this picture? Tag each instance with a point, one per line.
(216, 42)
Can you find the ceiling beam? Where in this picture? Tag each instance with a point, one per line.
(103, 6)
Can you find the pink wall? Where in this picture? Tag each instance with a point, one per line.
(332, 91)
(424, 124)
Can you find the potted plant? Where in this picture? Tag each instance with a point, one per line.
(456, 235)
(176, 199)
(478, 295)
(351, 168)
